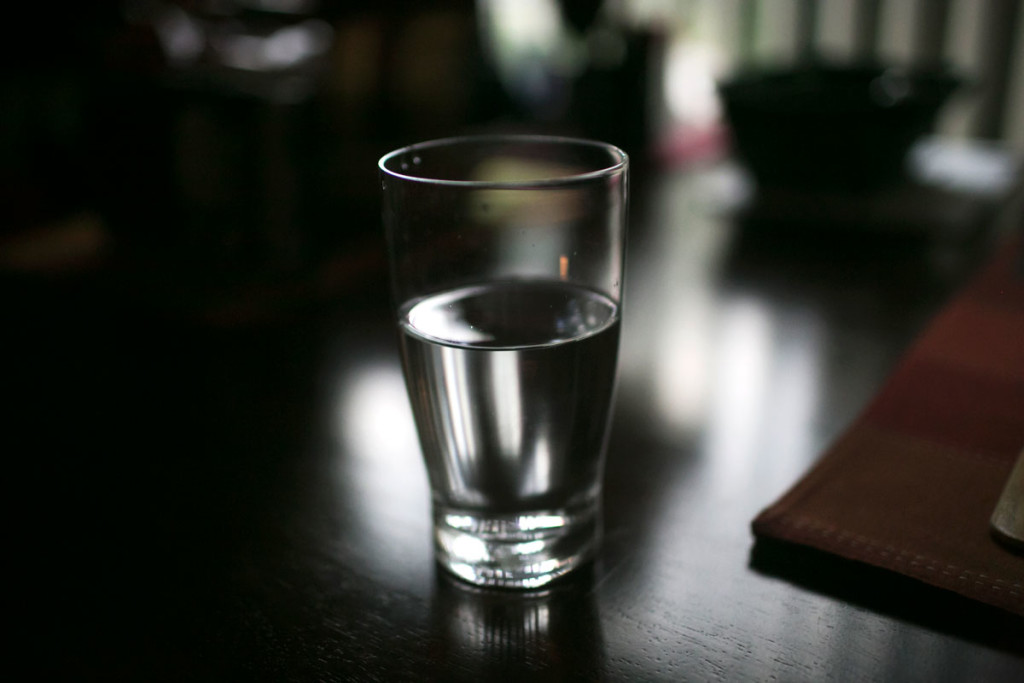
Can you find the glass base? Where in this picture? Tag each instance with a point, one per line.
(522, 550)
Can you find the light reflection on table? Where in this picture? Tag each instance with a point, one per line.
(379, 471)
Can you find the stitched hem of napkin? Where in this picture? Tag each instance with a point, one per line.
(1002, 593)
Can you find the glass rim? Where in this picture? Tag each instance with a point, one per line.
(614, 152)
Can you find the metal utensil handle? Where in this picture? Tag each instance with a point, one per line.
(1008, 518)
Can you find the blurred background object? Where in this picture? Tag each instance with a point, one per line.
(237, 138)
(833, 126)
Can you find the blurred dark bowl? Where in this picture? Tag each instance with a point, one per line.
(828, 126)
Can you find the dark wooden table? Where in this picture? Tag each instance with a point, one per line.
(201, 492)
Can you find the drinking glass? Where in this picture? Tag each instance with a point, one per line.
(506, 257)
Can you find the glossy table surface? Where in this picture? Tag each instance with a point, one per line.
(239, 497)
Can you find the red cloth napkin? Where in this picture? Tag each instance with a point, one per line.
(912, 484)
